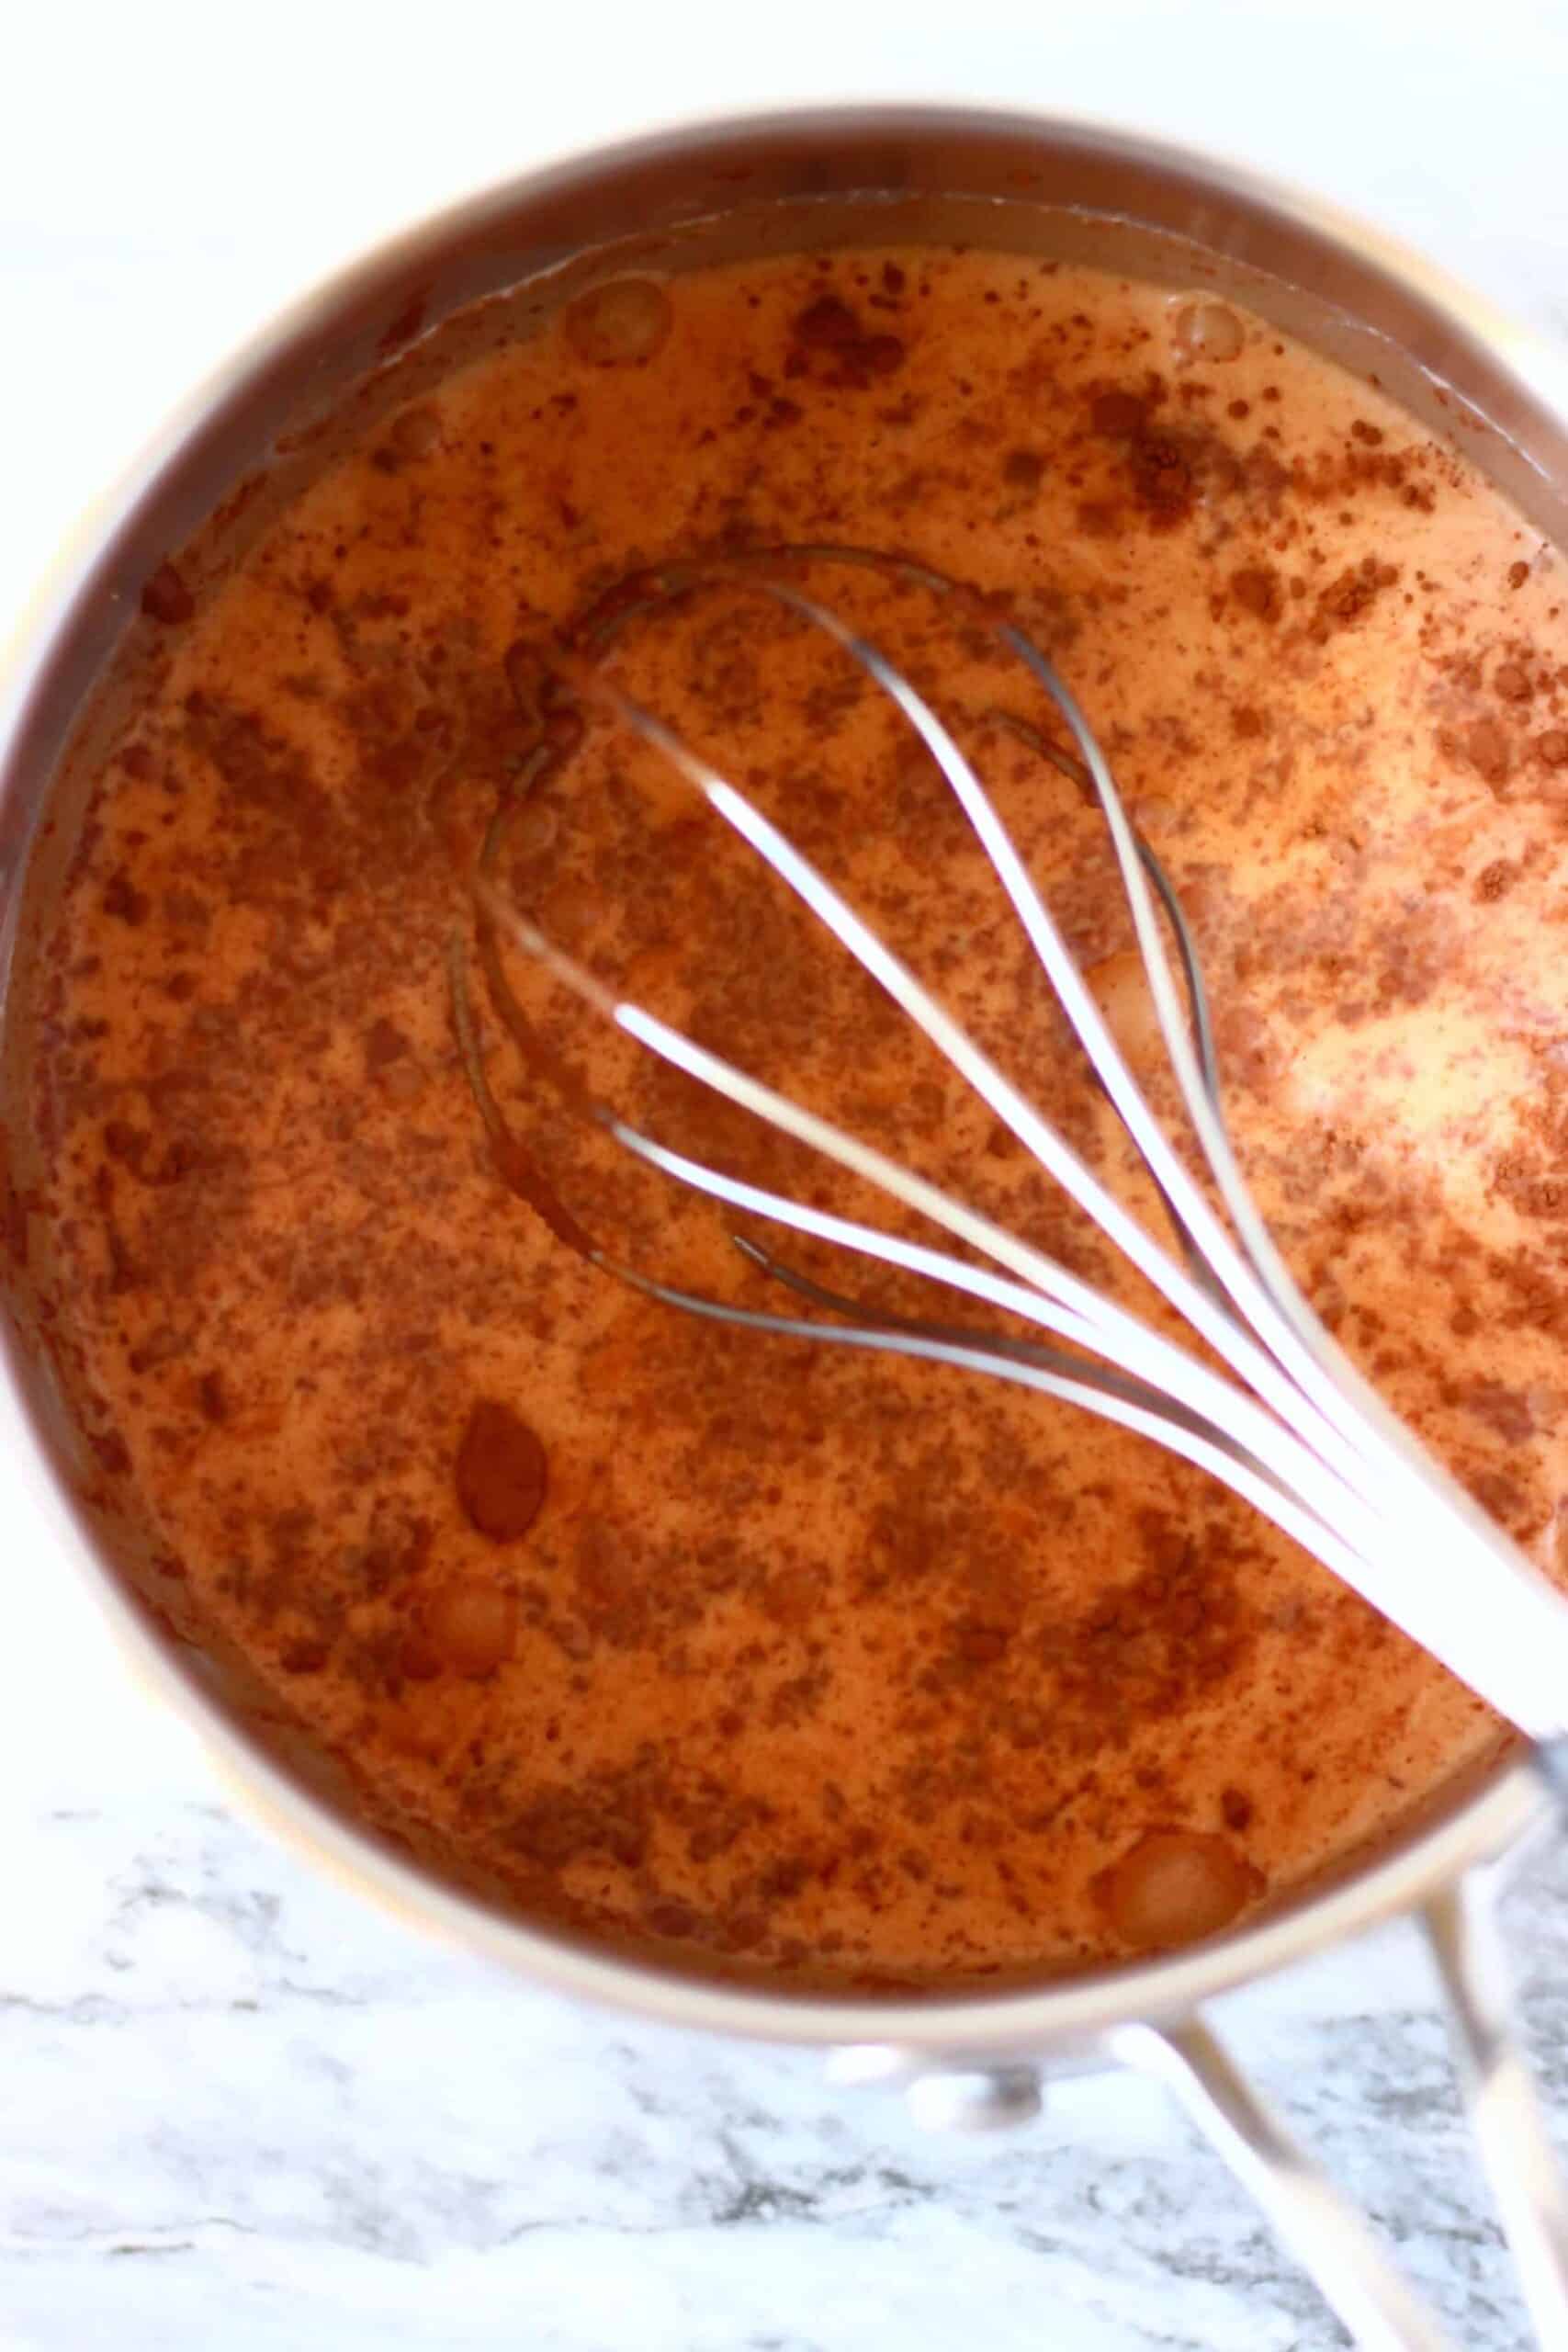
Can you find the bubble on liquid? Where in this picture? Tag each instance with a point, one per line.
(534, 829)
(1153, 815)
(1207, 331)
(626, 319)
(1557, 1540)
(1121, 988)
(417, 431)
(1176, 1885)
(471, 1626)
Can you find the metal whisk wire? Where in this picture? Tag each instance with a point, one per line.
(1293, 1428)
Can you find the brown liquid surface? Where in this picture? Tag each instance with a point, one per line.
(775, 1653)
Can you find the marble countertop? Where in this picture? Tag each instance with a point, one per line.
(239, 2112)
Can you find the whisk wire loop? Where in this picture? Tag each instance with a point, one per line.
(1294, 1429)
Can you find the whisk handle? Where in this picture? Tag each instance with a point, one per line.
(1326, 2234)
(1516, 2149)
(1505, 2113)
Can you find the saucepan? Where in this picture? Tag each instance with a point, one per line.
(690, 195)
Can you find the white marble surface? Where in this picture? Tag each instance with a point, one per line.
(236, 2110)
(239, 2111)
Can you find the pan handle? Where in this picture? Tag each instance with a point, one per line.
(1327, 2235)
(1521, 2165)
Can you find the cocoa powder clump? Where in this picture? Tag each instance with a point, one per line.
(1256, 590)
(828, 340)
(165, 597)
(500, 1473)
